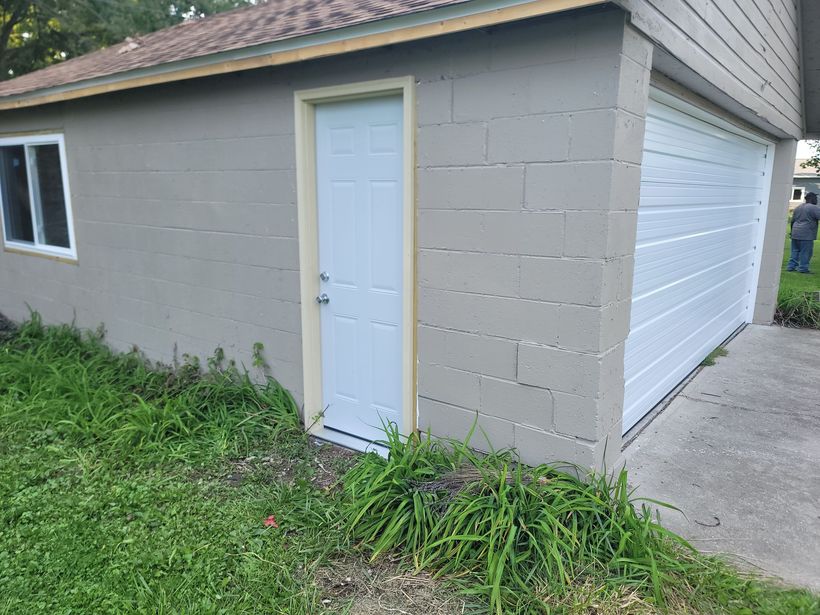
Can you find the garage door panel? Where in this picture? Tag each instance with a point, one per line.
(674, 222)
(701, 203)
(701, 139)
(725, 156)
(653, 384)
(660, 264)
(667, 168)
(694, 195)
(664, 326)
(648, 307)
(681, 341)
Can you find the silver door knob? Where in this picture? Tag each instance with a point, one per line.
(323, 298)
(324, 276)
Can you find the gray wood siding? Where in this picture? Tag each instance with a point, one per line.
(747, 48)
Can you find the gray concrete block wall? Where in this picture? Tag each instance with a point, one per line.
(527, 185)
(526, 242)
(185, 221)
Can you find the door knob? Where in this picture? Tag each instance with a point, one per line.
(323, 298)
(324, 276)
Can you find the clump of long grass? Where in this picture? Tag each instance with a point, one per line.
(69, 383)
(525, 539)
(799, 309)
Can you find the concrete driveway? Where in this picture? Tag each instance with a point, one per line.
(738, 451)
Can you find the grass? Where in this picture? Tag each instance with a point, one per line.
(130, 489)
(797, 304)
(713, 356)
(120, 491)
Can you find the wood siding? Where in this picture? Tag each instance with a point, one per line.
(746, 48)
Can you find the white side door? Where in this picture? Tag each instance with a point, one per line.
(704, 190)
(359, 163)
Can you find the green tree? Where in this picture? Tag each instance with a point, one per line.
(813, 162)
(37, 33)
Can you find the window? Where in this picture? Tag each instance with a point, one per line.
(36, 206)
(797, 194)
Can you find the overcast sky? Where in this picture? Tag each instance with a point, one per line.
(803, 150)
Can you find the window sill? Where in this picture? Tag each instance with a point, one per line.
(30, 251)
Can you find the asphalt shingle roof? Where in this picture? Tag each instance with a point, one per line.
(274, 20)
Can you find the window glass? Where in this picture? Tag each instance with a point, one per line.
(49, 198)
(16, 204)
(33, 192)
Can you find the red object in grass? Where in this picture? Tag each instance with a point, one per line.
(271, 522)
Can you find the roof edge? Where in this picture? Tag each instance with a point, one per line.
(406, 28)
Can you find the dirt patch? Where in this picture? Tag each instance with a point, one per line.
(320, 463)
(380, 587)
(7, 328)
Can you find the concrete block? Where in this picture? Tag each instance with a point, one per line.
(537, 138)
(600, 234)
(637, 47)
(490, 95)
(473, 272)
(562, 280)
(611, 382)
(580, 328)
(590, 83)
(526, 233)
(434, 102)
(451, 144)
(569, 186)
(625, 186)
(516, 402)
(496, 188)
(559, 370)
(615, 323)
(536, 447)
(444, 420)
(514, 319)
(633, 90)
(600, 34)
(533, 42)
(607, 134)
(450, 386)
(468, 352)
(577, 416)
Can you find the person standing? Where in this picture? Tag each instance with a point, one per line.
(804, 232)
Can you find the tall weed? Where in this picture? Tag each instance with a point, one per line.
(57, 378)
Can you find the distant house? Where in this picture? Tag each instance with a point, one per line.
(805, 180)
(536, 214)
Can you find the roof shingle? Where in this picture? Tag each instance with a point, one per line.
(272, 21)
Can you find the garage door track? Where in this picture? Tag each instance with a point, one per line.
(738, 451)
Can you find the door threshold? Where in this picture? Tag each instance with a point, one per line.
(352, 442)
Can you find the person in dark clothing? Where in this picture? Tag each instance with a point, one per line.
(804, 232)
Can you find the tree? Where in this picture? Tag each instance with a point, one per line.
(813, 162)
(37, 33)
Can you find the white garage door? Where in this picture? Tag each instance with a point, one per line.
(696, 260)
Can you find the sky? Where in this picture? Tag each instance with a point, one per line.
(803, 150)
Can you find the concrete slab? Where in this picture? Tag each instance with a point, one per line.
(738, 451)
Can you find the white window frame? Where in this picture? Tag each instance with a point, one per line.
(37, 248)
(802, 193)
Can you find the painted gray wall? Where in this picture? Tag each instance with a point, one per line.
(743, 50)
(773, 242)
(529, 144)
(810, 184)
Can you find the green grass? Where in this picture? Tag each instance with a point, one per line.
(113, 490)
(127, 489)
(797, 305)
(713, 356)
(793, 281)
(540, 540)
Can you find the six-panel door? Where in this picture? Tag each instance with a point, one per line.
(359, 164)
